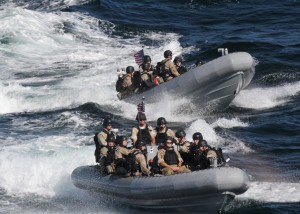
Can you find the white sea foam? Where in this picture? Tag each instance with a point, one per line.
(282, 192)
(41, 166)
(232, 143)
(64, 69)
(264, 98)
(229, 123)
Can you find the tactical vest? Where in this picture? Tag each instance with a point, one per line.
(110, 156)
(144, 135)
(181, 70)
(131, 164)
(160, 136)
(170, 157)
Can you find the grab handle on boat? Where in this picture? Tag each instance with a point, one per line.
(224, 51)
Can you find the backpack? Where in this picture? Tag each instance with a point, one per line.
(159, 69)
(119, 87)
(130, 163)
(137, 79)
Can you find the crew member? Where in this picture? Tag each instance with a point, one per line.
(100, 137)
(140, 166)
(198, 153)
(170, 159)
(169, 70)
(146, 77)
(143, 131)
(183, 147)
(162, 131)
(121, 154)
(107, 156)
(178, 64)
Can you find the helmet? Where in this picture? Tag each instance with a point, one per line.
(107, 121)
(146, 66)
(180, 134)
(110, 138)
(177, 59)
(129, 69)
(147, 59)
(203, 143)
(139, 144)
(141, 116)
(161, 121)
(120, 139)
(197, 136)
(168, 138)
(167, 53)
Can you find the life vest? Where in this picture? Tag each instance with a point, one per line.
(199, 158)
(160, 136)
(144, 135)
(119, 83)
(110, 155)
(181, 69)
(131, 164)
(170, 157)
(137, 81)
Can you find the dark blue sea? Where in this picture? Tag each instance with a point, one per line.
(58, 62)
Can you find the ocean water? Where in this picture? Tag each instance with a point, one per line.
(58, 62)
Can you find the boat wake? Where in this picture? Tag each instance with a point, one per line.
(265, 98)
(280, 192)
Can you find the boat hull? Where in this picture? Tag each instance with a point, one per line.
(210, 189)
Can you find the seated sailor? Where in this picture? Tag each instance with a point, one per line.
(166, 68)
(178, 64)
(121, 154)
(107, 156)
(202, 155)
(183, 147)
(147, 59)
(100, 137)
(198, 158)
(170, 159)
(125, 84)
(154, 166)
(137, 162)
(146, 77)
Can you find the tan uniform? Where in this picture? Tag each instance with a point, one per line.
(211, 154)
(166, 170)
(121, 151)
(102, 137)
(169, 66)
(146, 79)
(127, 83)
(141, 161)
(184, 150)
(184, 147)
(109, 168)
